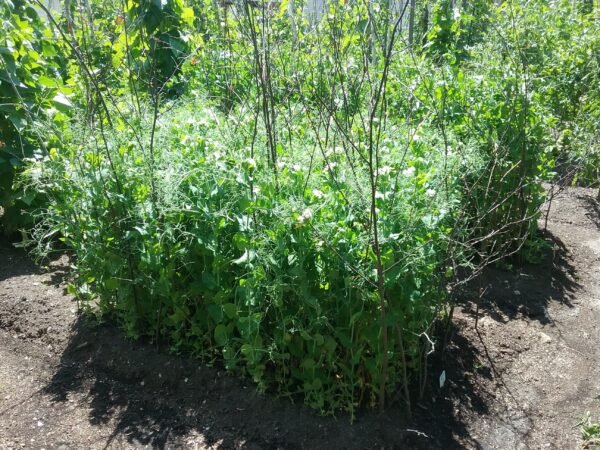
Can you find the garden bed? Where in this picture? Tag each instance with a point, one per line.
(521, 380)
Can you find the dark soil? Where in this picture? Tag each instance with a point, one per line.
(521, 379)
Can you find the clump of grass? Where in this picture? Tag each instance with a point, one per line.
(590, 430)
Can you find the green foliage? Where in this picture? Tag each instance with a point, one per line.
(221, 65)
(159, 39)
(455, 30)
(569, 88)
(33, 101)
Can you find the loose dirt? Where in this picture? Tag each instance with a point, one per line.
(522, 379)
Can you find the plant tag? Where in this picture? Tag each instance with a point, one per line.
(442, 379)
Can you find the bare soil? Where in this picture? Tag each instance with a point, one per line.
(522, 379)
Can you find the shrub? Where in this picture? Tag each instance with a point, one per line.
(33, 100)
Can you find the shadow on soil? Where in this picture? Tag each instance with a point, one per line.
(15, 262)
(526, 291)
(148, 397)
(593, 208)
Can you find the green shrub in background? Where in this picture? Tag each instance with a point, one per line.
(452, 30)
(43, 70)
(569, 85)
(158, 40)
(33, 101)
(556, 49)
(520, 97)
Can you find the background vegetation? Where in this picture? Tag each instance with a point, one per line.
(294, 198)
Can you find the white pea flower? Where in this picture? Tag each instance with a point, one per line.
(317, 193)
(456, 13)
(296, 167)
(409, 172)
(306, 215)
(430, 193)
(330, 166)
(280, 165)
(385, 170)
